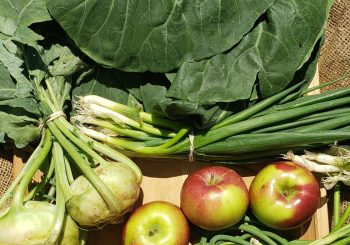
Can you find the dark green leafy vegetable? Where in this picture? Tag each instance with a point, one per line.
(219, 53)
(162, 36)
(19, 114)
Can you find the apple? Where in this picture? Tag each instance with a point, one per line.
(157, 222)
(284, 195)
(214, 197)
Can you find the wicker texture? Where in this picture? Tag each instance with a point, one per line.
(334, 61)
(6, 170)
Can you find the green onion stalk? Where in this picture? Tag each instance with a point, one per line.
(269, 127)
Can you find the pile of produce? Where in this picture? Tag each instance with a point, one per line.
(90, 85)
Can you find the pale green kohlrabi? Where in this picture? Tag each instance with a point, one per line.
(33, 225)
(31, 222)
(88, 208)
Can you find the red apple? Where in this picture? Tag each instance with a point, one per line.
(214, 197)
(158, 222)
(284, 195)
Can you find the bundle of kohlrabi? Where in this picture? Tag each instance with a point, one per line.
(84, 183)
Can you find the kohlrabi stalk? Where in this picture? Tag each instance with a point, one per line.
(99, 185)
(61, 172)
(111, 188)
(37, 222)
(103, 148)
(34, 162)
(44, 181)
(59, 214)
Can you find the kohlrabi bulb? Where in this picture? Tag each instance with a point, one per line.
(88, 208)
(33, 223)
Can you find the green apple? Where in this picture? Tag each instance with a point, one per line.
(156, 223)
(214, 197)
(284, 195)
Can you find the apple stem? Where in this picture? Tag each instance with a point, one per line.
(212, 179)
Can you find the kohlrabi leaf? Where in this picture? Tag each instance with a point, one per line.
(19, 110)
(13, 63)
(18, 114)
(24, 12)
(21, 129)
(67, 64)
(16, 17)
(155, 35)
(7, 88)
(28, 104)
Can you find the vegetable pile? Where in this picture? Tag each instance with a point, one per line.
(90, 85)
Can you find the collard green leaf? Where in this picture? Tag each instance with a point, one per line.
(289, 45)
(155, 35)
(198, 116)
(272, 52)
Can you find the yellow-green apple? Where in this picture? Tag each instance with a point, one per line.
(284, 195)
(214, 197)
(157, 222)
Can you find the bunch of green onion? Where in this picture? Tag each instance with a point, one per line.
(286, 121)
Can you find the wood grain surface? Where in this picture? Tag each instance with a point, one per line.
(163, 179)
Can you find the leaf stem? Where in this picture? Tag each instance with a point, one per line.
(336, 204)
(35, 161)
(98, 184)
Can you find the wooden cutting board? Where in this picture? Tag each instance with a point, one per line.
(163, 179)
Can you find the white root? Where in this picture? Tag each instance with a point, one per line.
(322, 158)
(311, 165)
(255, 241)
(103, 112)
(95, 99)
(80, 119)
(107, 132)
(338, 161)
(93, 134)
(330, 181)
(331, 165)
(93, 106)
(81, 107)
